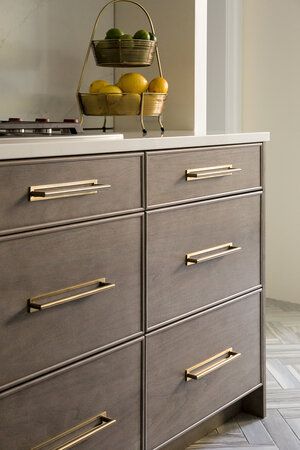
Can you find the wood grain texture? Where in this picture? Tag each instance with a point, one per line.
(166, 173)
(46, 261)
(111, 383)
(41, 261)
(174, 232)
(280, 431)
(174, 404)
(282, 424)
(124, 174)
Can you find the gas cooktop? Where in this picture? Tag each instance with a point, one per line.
(15, 127)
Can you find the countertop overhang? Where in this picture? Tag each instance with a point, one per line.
(37, 147)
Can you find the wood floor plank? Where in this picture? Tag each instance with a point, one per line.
(282, 374)
(290, 413)
(295, 370)
(295, 426)
(227, 434)
(283, 350)
(271, 382)
(286, 398)
(251, 447)
(284, 334)
(222, 441)
(230, 427)
(280, 431)
(254, 430)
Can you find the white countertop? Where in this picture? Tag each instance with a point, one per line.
(36, 147)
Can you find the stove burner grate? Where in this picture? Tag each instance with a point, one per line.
(40, 127)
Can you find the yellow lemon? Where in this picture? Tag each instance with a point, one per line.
(159, 85)
(133, 83)
(110, 89)
(96, 85)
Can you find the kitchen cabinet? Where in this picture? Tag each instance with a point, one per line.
(131, 314)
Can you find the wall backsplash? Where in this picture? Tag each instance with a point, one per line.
(42, 46)
(174, 22)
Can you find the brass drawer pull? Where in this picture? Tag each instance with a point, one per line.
(64, 190)
(203, 173)
(210, 365)
(36, 303)
(212, 253)
(103, 422)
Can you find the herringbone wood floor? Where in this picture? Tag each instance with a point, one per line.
(281, 428)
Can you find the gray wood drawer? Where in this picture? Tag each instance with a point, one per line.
(167, 181)
(122, 173)
(175, 289)
(44, 261)
(110, 382)
(173, 402)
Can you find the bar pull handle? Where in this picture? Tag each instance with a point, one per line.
(65, 190)
(35, 304)
(103, 422)
(203, 173)
(210, 365)
(211, 253)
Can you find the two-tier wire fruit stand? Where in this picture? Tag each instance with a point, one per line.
(122, 53)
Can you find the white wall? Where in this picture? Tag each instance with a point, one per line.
(216, 66)
(43, 43)
(224, 56)
(271, 94)
(42, 46)
(174, 21)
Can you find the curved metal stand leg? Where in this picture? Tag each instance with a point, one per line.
(162, 128)
(142, 115)
(143, 123)
(104, 125)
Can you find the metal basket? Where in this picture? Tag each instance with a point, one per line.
(123, 53)
(145, 105)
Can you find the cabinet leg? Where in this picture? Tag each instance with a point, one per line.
(255, 403)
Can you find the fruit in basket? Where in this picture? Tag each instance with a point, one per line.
(126, 37)
(110, 89)
(153, 37)
(97, 85)
(126, 104)
(133, 83)
(159, 85)
(114, 33)
(142, 34)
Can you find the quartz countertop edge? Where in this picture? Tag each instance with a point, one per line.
(39, 147)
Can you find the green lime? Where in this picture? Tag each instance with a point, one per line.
(152, 36)
(126, 37)
(142, 34)
(114, 33)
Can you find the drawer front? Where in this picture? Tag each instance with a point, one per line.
(211, 172)
(174, 235)
(95, 187)
(75, 260)
(175, 400)
(109, 383)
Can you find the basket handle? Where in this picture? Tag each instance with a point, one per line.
(93, 35)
